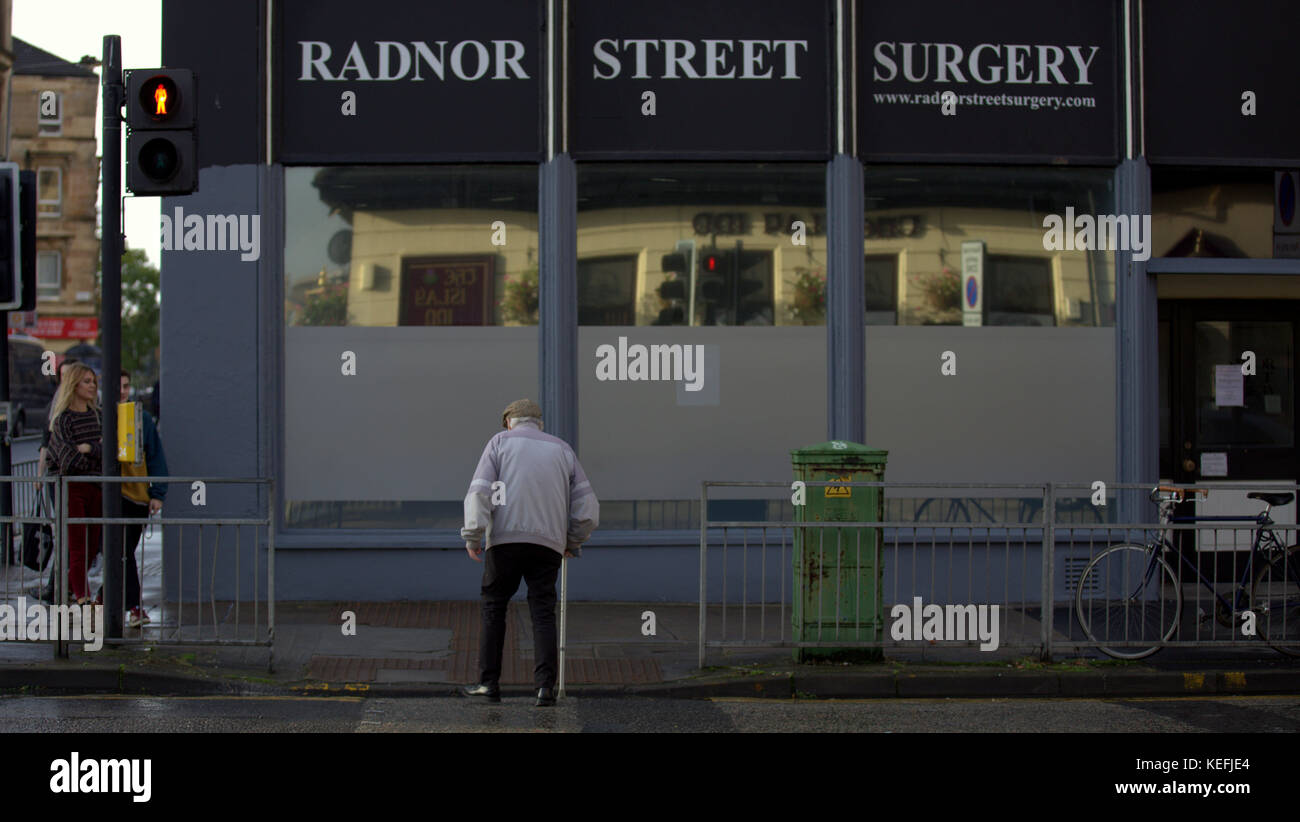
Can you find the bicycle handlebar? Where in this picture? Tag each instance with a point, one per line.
(1176, 494)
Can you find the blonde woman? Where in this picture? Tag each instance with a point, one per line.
(75, 435)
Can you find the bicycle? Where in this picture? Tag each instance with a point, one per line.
(1150, 597)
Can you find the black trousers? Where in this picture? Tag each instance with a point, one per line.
(130, 539)
(503, 566)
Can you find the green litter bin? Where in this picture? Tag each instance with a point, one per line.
(837, 571)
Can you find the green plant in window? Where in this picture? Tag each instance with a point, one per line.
(808, 303)
(519, 305)
(941, 294)
(327, 305)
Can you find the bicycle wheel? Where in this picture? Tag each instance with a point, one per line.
(1121, 597)
(1275, 600)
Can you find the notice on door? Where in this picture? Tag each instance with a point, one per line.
(1214, 464)
(1229, 386)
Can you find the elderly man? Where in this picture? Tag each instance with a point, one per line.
(531, 491)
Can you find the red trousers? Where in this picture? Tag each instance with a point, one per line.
(84, 500)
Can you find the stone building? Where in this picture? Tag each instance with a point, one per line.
(53, 133)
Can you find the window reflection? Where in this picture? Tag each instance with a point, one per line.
(1218, 212)
(701, 244)
(402, 246)
(918, 218)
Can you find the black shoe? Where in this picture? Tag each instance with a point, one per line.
(487, 693)
(545, 697)
(47, 596)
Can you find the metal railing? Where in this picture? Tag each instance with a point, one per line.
(954, 572)
(24, 487)
(198, 580)
(1219, 576)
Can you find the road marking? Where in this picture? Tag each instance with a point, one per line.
(1110, 699)
(209, 698)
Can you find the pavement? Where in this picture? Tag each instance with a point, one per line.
(430, 648)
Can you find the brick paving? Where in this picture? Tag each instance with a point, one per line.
(463, 620)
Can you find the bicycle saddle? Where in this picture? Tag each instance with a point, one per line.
(1272, 499)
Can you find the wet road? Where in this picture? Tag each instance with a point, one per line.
(634, 714)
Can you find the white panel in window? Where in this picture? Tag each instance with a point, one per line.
(49, 274)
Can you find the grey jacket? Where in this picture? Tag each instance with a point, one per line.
(541, 495)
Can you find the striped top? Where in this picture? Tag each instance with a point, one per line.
(70, 429)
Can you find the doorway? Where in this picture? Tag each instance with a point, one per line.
(1228, 407)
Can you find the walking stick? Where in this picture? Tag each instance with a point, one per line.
(564, 602)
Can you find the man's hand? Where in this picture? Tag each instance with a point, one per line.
(84, 448)
(568, 554)
(475, 552)
(155, 505)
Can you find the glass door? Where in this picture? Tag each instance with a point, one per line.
(1228, 402)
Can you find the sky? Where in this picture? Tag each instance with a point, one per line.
(72, 28)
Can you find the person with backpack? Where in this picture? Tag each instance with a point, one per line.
(140, 501)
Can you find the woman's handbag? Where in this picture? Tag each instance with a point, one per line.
(38, 540)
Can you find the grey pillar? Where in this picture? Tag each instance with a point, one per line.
(845, 302)
(557, 370)
(1137, 398)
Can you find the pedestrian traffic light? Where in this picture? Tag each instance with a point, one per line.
(682, 260)
(11, 274)
(732, 287)
(713, 280)
(675, 263)
(161, 148)
(678, 290)
(27, 246)
(713, 262)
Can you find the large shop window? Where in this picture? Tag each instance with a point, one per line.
(1212, 212)
(921, 221)
(402, 246)
(701, 244)
(724, 265)
(410, 312)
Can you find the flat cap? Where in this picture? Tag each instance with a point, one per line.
(521, 408)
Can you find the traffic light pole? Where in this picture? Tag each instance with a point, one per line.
(110, 324)
(6, 455)
(17, 261)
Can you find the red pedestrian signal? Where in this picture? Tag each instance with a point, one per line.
(162, 153)
(158, 100)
